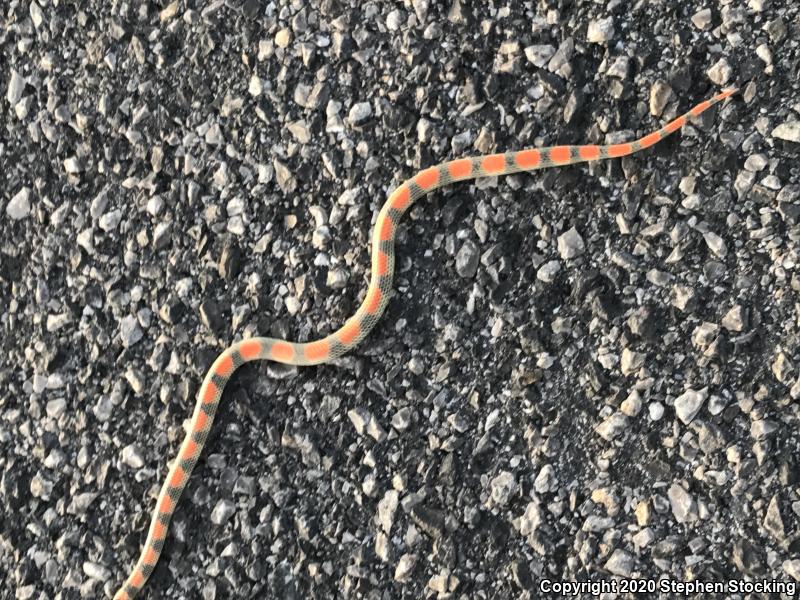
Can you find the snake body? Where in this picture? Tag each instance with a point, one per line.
(365, 318)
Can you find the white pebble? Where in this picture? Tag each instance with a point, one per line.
(656, 410)
(37, 16)
(570, 244)
(600, 31)
(20, 205)
(16, 85)
(255, 87)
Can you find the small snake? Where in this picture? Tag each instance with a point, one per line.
(359, 325)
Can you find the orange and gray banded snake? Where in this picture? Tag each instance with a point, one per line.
(365, 318)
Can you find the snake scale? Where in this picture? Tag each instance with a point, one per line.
(365, 318)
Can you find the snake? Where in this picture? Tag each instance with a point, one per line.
(356, 328)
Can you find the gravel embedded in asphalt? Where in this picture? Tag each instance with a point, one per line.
(583, 372)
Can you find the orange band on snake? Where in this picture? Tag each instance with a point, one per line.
(365, 318)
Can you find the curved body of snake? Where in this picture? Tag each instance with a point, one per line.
(359, 325)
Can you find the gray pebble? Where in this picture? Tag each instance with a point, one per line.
(761, 429)
(129, 331)
(110, 220)
(702, 19)
(405, 566)
(720, 73)
(683, 297)
(660, 93)
(735, 319)
(284, 177)
(169, 11)
(214, 135)
(684, 507)
(283, 38)
(402, 419)
(136, 379)
(103, 408)
(56, 407)
(600, 31)
(715, 243)
(255, 86)
(632, 405)
(85, 240)
(595, 523)
(395, 20)
(386, 510)
(99, 203)
(539, 55)
(620, 68)
(688, 404)
(80, 503)
(765, 54)
(782, 368)
(415, 365)
(16, 86)
(732, 16)
(792, 568)
(631, 361)
(223, 511)
(789, 131)
(360, 418)
(642, 322)
(359, 113)
(300, 131)
(467, 260)
(773, 521)
(375, 430)
(756, 162)
(132, 456)
(546, 480)
(530, 521)
(72, 165)
(613, 426)
(794, 392)
(570, 244)
(620, 563)
(461, 141)
(421, 8)
(337, 279)
(659, 278)
(644, 538)
(321, 237)
(19, 206)
(503, 487)
(56, 322)
(162, 234)
(548, 271)
(96, 571)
